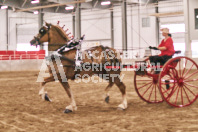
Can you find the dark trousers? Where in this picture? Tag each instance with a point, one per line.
(159, 59)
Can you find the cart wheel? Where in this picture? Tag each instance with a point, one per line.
(147, 87)
(178, 81)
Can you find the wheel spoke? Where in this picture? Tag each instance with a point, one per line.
(167, 90)
(172, 93)
(147, 90)
(192, 74)
(192, 80)
(189, 90)
(164, 90)
(191, 85)
(150, 93)
(155, 93)
(177, 95)
(143, 80)
(184, 67)
(186, 94)
(179, 68)
(182, 96)
(145, 85)
(171, 72)
(188, 70)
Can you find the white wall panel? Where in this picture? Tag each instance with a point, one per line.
(63, 18)
(193, 4)
(3, 35)
(96, 26)
(117, 29)
(14, 20)
(170, 6)
(173, 19)
(26, 32)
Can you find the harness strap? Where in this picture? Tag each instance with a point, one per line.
(49, 26)
(63, 58)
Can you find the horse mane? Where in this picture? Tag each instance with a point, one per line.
(61, 32)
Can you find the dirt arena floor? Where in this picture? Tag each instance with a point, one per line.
(21, 109)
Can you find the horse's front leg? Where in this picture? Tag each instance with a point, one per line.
(72, 106)
(42, 91)
(122, 88)
(107, 91)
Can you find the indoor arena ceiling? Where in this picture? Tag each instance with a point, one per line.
(58, 6)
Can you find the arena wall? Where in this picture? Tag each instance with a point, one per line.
(20, 65)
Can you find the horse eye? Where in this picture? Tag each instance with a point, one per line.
(42, 31)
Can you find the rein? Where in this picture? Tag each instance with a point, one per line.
(49, 26)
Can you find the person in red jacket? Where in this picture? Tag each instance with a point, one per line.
(166, 47)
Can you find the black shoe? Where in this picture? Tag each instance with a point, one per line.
(167, 84)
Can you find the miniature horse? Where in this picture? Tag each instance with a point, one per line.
(56, 38)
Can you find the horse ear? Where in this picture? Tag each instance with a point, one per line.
(47, 24)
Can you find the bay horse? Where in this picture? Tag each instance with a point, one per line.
(56, 38)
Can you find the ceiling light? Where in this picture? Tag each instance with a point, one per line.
(35, 1)
(4, 7)
(105, 2)
(69, 8)
(36, 12)
(197, 16)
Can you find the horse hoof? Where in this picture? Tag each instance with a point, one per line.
(120, 109)
(107, 99)
(67, 111)
(47, 98)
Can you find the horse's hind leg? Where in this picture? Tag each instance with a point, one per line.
(72, 106)
(122, 88)
(107, 91)
(42, 91)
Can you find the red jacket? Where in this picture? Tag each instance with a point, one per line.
(169, 47)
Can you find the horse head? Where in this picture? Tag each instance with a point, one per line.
(42, 36)
(53, 34)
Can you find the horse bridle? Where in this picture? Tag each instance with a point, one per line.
(37, 39)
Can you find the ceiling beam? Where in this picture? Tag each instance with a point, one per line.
(167, 14)
(49, 6)
(25, 1)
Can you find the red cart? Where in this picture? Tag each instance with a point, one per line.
(177, 82)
